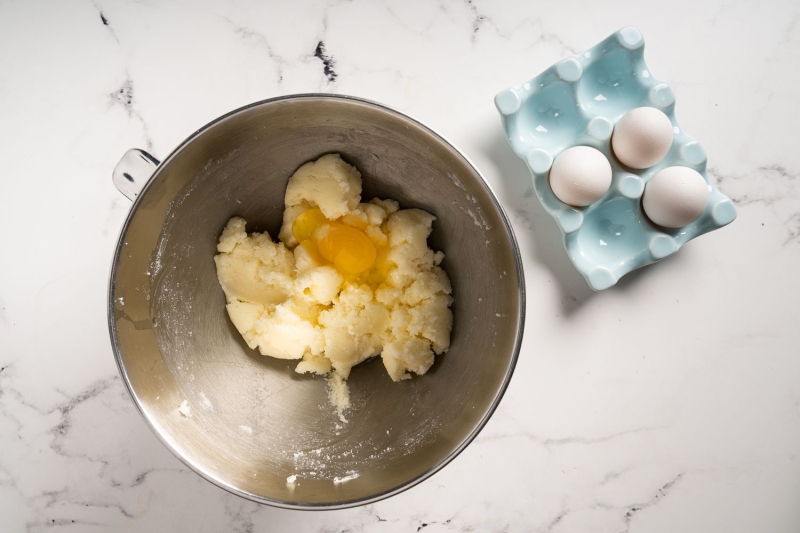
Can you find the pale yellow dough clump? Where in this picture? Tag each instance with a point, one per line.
(290, 303)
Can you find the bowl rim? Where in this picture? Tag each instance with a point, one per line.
(196, 468)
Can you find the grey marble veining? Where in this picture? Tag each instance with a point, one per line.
(613, 423)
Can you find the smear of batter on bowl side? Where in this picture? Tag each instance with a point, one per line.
(347, 281)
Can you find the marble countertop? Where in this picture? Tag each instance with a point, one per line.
(669, 403)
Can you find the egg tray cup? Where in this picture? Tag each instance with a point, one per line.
(577, 102)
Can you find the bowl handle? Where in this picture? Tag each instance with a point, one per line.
(133, 171)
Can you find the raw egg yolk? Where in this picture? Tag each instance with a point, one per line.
(307, 223)
(346, 247)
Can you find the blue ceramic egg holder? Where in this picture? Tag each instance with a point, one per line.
(576, 102)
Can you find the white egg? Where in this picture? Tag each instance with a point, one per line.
(580, 176)
(642, 137)
(675, 197)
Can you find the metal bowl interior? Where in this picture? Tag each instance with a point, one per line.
(254, 420)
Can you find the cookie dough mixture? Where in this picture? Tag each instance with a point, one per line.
(347, 281)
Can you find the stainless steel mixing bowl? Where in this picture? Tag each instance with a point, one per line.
(255, 421)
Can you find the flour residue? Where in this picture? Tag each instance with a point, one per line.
(456, 181)
(185, 410)
(478, 219)
(351, 475)
(205, 403)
